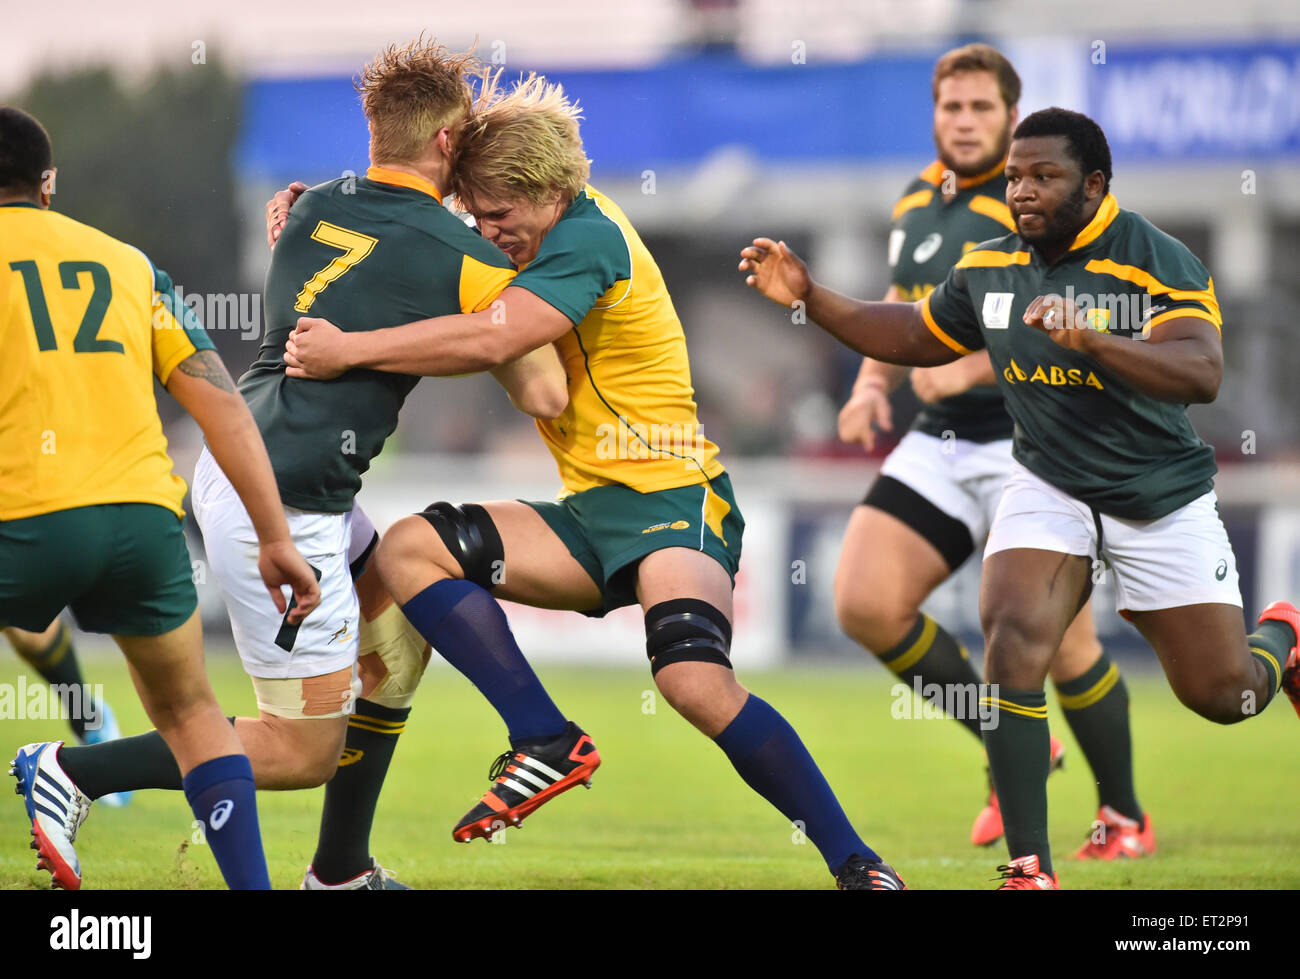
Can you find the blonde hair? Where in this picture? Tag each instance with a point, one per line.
(409, 93)
(523, 144)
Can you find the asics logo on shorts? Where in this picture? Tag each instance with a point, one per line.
(220, 813)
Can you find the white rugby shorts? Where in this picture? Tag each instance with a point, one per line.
(963, 479)
(1184, 558)
(324, 642)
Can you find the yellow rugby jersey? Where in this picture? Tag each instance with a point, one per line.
(84, 320)
(631, 417)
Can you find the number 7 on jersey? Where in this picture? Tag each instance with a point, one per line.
(355, 247)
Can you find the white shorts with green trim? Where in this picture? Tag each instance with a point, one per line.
(1184, 558)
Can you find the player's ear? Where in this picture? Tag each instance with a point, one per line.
(1093, 184)
(1013, 118)
(47, 186)
(443, 139)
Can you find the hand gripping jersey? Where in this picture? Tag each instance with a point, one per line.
(1079, 426)
(631, 417)
(84, 321)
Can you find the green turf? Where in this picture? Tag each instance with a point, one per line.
(667, 810)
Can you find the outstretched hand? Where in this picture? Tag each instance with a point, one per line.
(775, 271)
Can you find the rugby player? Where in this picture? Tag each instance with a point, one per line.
(1109, 475)
(934, 500)
(370, 251)
(644, 519)
(90, 511)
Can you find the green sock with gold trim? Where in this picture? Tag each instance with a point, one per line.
(1271, 644)
(343, 847)
(1017, 745)
(1096, 707)
(929, 654)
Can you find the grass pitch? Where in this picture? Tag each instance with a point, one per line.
(667, 811)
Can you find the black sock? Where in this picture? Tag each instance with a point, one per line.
(343, 850)
(1096, 706)
(124, 765)
(58, 666)
(930, 653)
(1017, 745)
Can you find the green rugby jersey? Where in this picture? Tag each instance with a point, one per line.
(1079, 426)
(929, 235)
(364, 254)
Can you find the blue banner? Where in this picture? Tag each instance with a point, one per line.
(1240, 101)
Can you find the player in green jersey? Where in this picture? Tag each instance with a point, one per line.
(647, 516)
(934, 500)
(1110, 478)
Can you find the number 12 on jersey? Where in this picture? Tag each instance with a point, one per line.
(355, 247)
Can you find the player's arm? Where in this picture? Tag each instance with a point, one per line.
(893, 332)
(1180, 361)
(536, 383)
(933, 384)
(202, 385)
(868, 406)
(517, 324)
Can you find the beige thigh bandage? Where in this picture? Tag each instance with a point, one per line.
(331, 695)
(402, 652)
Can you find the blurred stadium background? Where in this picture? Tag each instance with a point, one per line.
(709, 121)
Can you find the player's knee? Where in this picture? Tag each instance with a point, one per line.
(471, 545)
(406, 543)
(872, 620)
(1222, 696)
(395, 656)
(1017, 650)
(686, 630)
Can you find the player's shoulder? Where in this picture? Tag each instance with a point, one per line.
(377, 204)
(595, 219)
(1136, 241)
(919, 192)
(59, 230)
(1009, 249)
(595, 227)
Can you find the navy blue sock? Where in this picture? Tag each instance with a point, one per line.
(772, 760)
(221, 795)
(469, 629)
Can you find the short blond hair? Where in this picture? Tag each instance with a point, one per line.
(410, 92)
(524, 144)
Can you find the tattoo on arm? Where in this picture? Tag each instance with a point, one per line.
(207, 366)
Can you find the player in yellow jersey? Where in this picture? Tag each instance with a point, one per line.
(647, 515)
(90, 510)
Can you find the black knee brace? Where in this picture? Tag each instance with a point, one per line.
(471, 536)
(686, 630)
